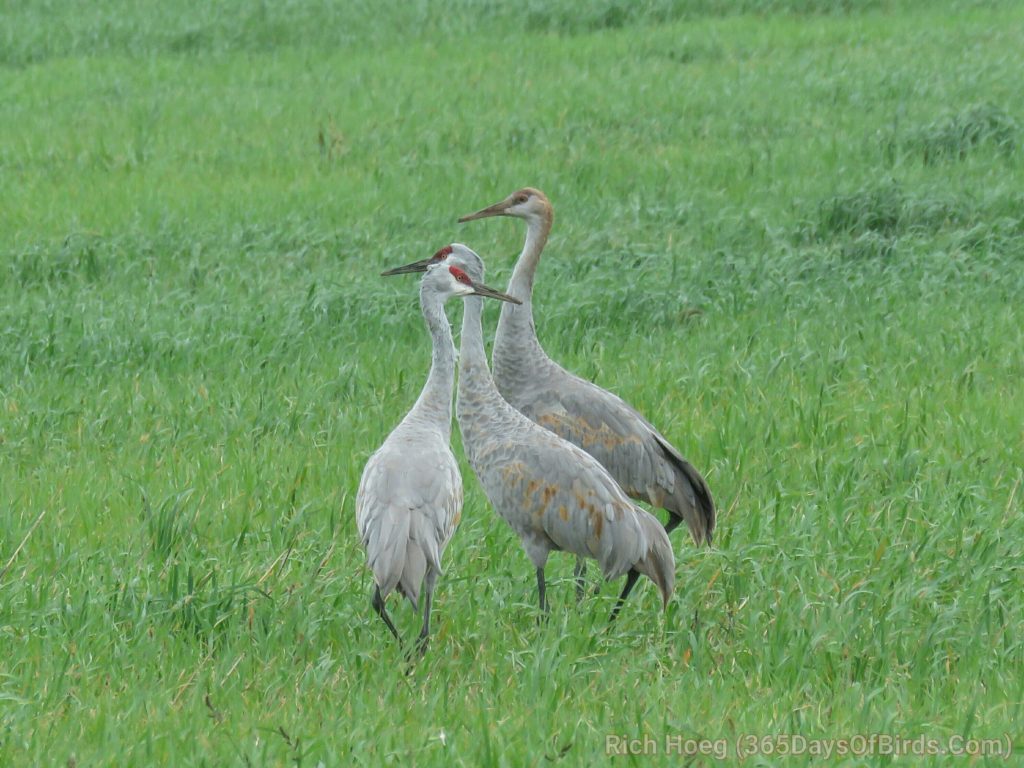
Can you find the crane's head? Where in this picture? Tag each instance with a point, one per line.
(527, 203)
(466, 259)
(422, 265)
(448, 280)
(455, 254)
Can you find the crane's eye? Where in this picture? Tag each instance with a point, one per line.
(459, 275)
(442, 254)
(521, 199)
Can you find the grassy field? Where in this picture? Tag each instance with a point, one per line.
(791, 233)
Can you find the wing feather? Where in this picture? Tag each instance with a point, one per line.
(407, 510)
(641, 460)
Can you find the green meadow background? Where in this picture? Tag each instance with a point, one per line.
(791, 232)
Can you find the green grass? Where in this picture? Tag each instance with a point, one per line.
(791, 233)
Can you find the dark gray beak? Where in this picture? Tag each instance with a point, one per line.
(498, 209)
(479, 289)
(416, 266)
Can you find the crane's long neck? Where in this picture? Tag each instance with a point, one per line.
(538, 228)
(479, 406)
(517, 351)
(434, 405)
(474, 375)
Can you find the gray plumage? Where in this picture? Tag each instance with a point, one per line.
(646, 465)
(553, 495)
(410, 496)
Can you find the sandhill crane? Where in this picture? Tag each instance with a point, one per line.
(642, 461)
(410, 495)
(554, 495)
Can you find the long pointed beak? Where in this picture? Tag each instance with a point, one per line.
(416, 266)
(498, 209)
(479, 289)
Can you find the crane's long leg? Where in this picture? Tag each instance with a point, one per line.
(631, 578)
(424, 638)
(580, 573)
(542, 591)
(378, 606)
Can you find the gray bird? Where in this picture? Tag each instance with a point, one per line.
(410, 496)
(645, 464)
(554, 495)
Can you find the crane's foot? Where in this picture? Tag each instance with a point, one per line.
(417, 652)
(421, 645)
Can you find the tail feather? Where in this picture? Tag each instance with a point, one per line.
(658, 562)
(692, 498)
(421, 554)
(387, 542)
(412, 573)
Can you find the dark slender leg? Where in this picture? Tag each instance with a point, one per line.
(378, 606)
(424, 638)
(673, 523)
(580, 573)
(542, 590)
(630, 583)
